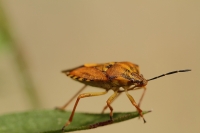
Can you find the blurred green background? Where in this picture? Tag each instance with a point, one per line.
(38, 39)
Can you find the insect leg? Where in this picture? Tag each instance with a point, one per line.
(106, 106)
(143, 93)
(141, 98)
(76, 103)
(134, 104)
(110, 100)
(119, 92)
(64, 106)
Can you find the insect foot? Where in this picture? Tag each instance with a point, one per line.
(63, 128)
(59, 108)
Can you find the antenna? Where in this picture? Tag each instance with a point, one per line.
(173, 72)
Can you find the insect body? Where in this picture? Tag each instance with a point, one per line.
(107, 76)
(110, 76)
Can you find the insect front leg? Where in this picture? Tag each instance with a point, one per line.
(64, 106)
(143, 93)
(134, 103)
(141, 98)
(109, 101)
(76, 103)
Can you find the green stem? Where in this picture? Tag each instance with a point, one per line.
(24, 74)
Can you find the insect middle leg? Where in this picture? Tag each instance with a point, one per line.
(132, 88)
(109, 101)
(106, 106)
(119, 92)
(76, 103)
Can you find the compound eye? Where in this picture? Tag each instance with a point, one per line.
(137, 82)
(132, 80)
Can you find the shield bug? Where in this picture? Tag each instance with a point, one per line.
(110, 76)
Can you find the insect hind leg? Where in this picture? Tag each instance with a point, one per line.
(64, 106)
(76, 103)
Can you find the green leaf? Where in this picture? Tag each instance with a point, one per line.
(51, 121)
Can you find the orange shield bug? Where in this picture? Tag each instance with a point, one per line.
(110, 76)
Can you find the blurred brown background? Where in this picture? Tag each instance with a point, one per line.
(160, 36)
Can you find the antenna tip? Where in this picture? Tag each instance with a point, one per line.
(186, 70)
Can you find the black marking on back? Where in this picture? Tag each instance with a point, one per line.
(109, 66)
